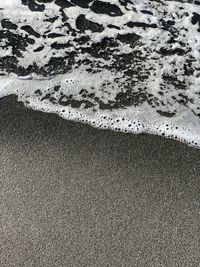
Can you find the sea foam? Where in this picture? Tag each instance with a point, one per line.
(126, 65)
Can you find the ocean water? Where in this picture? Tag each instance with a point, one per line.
(128, 65)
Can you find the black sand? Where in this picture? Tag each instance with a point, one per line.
(72, 195)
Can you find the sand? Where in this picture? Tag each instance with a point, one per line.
(73, 195)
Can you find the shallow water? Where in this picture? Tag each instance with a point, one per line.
(128, 65)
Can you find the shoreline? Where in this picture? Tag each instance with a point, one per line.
(145, 130)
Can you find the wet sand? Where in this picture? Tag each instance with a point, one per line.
(73, 195)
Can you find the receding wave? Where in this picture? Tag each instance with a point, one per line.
(127, 65)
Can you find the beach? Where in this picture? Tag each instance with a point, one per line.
(74, 195)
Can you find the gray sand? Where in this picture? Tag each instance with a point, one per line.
(73, 195)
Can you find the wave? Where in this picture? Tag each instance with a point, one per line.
(127, 65)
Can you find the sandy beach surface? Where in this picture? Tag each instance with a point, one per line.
(73, 195)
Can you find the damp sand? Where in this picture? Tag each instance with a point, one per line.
(73, 195)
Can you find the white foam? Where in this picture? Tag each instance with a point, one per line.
(106, 84)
